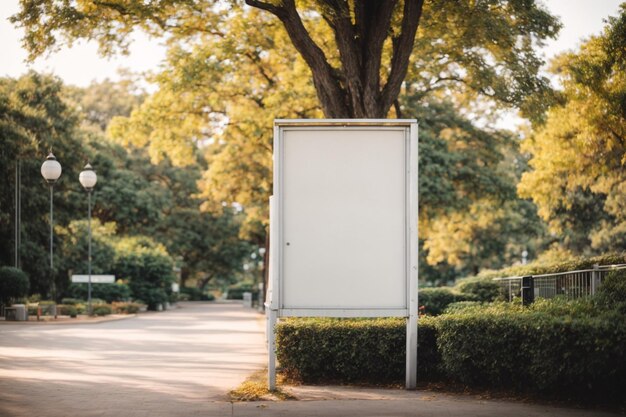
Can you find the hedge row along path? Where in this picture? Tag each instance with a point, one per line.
(182, 363)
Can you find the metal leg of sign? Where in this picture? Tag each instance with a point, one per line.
(411, 352)
(272, 317)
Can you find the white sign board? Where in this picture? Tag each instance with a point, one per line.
(346, 202)
(343, 224)
(95, 279)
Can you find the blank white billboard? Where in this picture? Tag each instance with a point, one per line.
(345, 195)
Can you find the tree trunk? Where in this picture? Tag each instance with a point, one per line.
(354, 90)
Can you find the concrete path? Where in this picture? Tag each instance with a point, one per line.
(157, 364)
(182, 363)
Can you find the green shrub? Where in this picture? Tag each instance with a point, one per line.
(612, 292)
(72, 301)
(126, 308)
(107, 292)
(14, 284)
(433, 301)
(485, 290)
(533, 350)
(194, 294)
(351, 350)
(235, 292)
(67, 310)
(102, 310)
(460, 306)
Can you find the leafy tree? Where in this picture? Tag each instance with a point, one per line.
(35, 119)
(225, 81)
(358, 52)
(101, 101)
(578, 179)
(148, 268)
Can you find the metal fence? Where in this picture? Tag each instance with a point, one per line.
(570, 284)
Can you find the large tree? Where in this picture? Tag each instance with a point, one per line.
(358, 51)
(578, 162)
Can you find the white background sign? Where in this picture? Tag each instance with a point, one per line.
(95, 279)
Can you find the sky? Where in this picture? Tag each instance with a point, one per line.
(81, 64)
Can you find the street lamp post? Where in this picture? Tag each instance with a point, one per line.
(51, 171)
(88, 179)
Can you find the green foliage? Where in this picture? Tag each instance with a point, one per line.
(147, 267)
(126, 308)
(13, 284)
(555, 348)
(566, 349)
(196, 294)
(235, 292)
(577, 180)
(352, 350)
(34, 118)
(433, 301)
(67, 310)
(481, 289)
(551, 267)
(102, 310)
(107, 292)
(612, 292)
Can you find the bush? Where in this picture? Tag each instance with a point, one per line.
(612, 292)
(485, 290)
(565, 349)
(534, 350)
(148, 268)
(102, 310)
(67, 310)
(462, 306)
(107, 292)
(72, 301)
(192, 293)
(351, 350)
(14, 284)
(126, 308)
(433, 301)
(235, 292)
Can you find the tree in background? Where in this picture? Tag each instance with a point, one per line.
(225, 81)
(34, 119)
(358, 52)
(577, 178)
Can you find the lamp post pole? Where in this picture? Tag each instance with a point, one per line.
(51, 171)
(89, 250)
(88, 179)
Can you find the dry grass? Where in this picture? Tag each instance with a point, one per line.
(255, 389)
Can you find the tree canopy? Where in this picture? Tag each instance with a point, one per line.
(577, 178)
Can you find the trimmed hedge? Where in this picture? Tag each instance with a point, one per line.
(434, 301)
(351, 350)
(486, 289)
(536, 352)
(556, 347)
(108, 292)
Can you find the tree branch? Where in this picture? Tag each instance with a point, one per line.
(402, 49)
(327, 86)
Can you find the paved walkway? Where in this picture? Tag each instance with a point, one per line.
(182, 363)
(156, 364)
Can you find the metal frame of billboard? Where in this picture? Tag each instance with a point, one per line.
(275, 306)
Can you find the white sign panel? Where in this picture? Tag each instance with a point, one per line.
(346, 206)
(95, 279)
